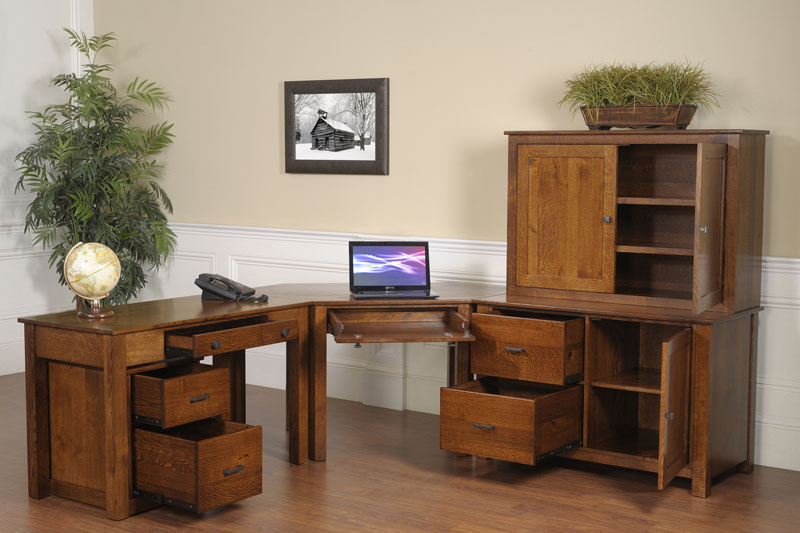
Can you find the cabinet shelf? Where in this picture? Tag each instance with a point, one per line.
(647, 380)
(661, 249)
(648, 200)
(640, 442)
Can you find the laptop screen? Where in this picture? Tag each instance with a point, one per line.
(389, 266)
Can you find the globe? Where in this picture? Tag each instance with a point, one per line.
(92, 271)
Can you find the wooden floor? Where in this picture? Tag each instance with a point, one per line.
(385, 472)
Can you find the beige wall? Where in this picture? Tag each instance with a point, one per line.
(461, 71)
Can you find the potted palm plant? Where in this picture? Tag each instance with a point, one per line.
(631, 96)
(93, 172)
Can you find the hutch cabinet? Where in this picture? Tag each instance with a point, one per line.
(627, 335)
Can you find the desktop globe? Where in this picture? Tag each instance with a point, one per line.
(92, 271)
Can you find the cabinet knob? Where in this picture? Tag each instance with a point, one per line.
(215, 345)
(607, 220)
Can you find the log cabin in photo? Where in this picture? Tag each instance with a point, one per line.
(331, 135)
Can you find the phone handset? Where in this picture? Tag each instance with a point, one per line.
(216, 287)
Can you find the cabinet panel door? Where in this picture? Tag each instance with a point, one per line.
(710, 187)
(673, 446)
(566, 217)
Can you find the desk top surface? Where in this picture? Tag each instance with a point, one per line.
(188, 310)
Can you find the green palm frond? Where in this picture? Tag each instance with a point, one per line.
(93, 172)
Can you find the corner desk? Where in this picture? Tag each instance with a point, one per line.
(93, 387)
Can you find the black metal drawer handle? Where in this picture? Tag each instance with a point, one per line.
(231, 471)
(482, 426)
(215, 345)
(515, 350)
(285, 332)
(201, 398)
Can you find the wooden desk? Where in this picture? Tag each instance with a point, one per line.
(94, 362)
(78, 379)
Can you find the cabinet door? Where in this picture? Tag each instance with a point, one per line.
(710, 186)
(566, 217)
(673, 451)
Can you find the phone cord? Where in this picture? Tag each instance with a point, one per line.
(257, 299)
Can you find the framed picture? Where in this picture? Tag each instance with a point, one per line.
(337, 126)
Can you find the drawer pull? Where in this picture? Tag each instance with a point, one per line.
(231, 471)
(201, 398)
(482, 426)
(285, 332)
(215, 345)
(515, 350)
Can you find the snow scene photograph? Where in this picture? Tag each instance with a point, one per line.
(335, 126)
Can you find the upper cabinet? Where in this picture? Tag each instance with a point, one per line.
(639, 217)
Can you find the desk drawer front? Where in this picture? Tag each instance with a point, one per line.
(543, 350)
(199, 466)
(510, 422)
(172, 396)
(221, 338)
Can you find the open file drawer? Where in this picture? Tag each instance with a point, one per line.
(198, 466)
(507, 420)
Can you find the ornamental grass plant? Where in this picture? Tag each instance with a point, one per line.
(631, 85)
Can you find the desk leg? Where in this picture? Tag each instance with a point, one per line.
(117, 440)
(38, 419)
(747, 466)
(297, 391)
(235, 361)
(317, 383)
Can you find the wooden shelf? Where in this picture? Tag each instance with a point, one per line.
(654, 250)
(655, 293)
(646, 200)
(639, 442)
(645, 380)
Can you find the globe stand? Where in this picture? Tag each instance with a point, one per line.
(95, 313)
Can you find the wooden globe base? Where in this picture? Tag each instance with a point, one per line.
(95, 313)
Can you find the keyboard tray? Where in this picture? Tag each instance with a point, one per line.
(410, 325)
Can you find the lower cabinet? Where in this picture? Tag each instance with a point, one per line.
(510, 420)
(198, 466)
(630, 409)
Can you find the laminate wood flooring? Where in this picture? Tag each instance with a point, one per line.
(385, 472)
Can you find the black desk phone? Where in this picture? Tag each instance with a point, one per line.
(216, 287)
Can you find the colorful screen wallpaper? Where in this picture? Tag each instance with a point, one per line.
(388, 265)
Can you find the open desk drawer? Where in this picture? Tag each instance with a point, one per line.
(542, 349)
(409, 325)
(172, 396)
(509, 421)
(230, 336)
(198, 466)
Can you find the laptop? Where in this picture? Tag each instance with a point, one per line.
(390, 270)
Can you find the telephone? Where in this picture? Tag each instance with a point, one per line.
(216, 287)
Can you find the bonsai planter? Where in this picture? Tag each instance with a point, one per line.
(639, 116)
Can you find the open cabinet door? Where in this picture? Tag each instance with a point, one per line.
(708, 217)
(673, 445)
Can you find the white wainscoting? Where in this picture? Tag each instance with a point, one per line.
(389, 375)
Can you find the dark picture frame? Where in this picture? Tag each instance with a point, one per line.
(380, 165)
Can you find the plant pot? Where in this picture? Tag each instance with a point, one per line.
(639, 116)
